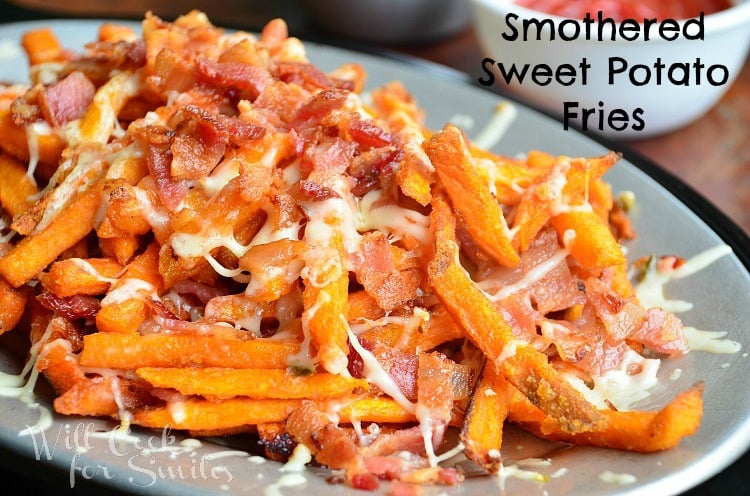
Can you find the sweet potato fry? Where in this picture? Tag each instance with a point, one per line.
(16, 189)
(33, 253)
(72, 276)
(270, 266)
(41, 45)
(60, 365)
(566, 184)
(100, 119)
(15, 142)
(125, 307)
(467, 186)
(642, 431)
(325, 313)
(121, 248)
(379, 409)
(110, 31)
(200, 414)
(414, 179)
(593, 246)
(361, 305)
(482, 432)
(255, 383)
(12, 305)
(131, 351)
(524, 367)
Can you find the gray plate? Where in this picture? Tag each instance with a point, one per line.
(665, 225)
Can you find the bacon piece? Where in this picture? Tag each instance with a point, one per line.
(330, 444)
(315, 191)
(320, 105)
(71, 307)
(156, 143)
(197, 148)
(368, 134)
(520, 315)
(387, 273)
(661, 332)
(241, 133)
(249, 79)
(327, 160)
(401, 366)
(204, 292)
(434, 393)
(303, 74)
(621, 317)
(67, 99)
(569, 343)
(373, 168)
(409, 440)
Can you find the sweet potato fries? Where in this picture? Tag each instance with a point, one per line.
(210, 233)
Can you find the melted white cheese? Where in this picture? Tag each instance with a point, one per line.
(13, 386)
(501, 120)
(618, 386)
(376, 374)
(129, 289)
(85, 266)
(710, 341)
(650, 290)
(286, 480)
(301, 456)
(531, 277)
(615, 478)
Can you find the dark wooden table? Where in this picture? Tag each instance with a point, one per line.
(712, 155)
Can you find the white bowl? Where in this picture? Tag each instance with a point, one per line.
(665, 107)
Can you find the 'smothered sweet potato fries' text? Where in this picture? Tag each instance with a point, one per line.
(203, 230)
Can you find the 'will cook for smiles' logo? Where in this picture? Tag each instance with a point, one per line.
(148, 458)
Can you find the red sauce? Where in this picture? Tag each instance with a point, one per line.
(628, 9)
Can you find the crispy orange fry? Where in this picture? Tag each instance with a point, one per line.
(131, 351)
(16, 189)
(567, 182)
(12, 305)
(59, 365)
(414, 179)
(255, 383)
(16, 143)
(378, 409)
(121, 248)
(116, 32)
(41, 45)
(482, 432)
(33, 253)
(642, 431)
(72, 276)
(201, 414)
(593, 246)
(521, 365)
(269, 265)
(361, 305)
(470, 194)
(125, 307)
(325, 311)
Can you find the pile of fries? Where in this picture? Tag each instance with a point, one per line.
(203, 230)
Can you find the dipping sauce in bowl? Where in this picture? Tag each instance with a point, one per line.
(628, 9)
